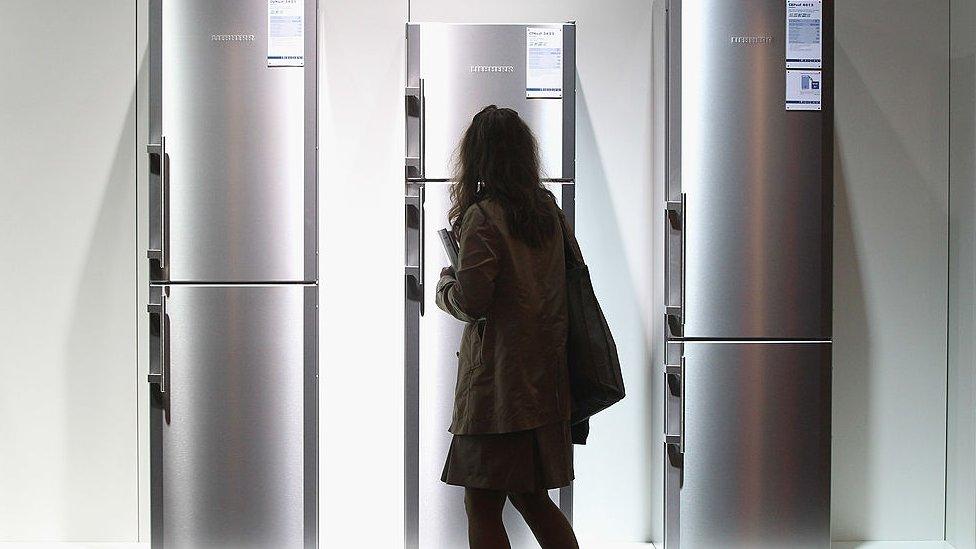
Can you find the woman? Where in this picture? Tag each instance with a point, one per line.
(511, 404)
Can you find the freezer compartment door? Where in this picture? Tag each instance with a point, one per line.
(234, 433)
(233, 194)
(435, 511)
(755, 471)
(453, 71)
(754, 229)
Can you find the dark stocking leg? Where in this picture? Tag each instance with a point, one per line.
(547, 522)
(485, 527)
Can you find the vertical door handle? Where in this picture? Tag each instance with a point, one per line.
(676, 371)
(414, 270)
(158, 340)
(681, 445)
(158, 206)
(416, 135)
(674, 264)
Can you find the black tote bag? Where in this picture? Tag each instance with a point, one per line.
(595, 380)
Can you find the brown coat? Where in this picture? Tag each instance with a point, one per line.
(512, 372)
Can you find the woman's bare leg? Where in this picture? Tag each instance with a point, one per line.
(485, 527)
(548, 523)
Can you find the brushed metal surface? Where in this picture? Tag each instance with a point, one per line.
(756, 179)
(673, 435)
(441, 517)
(231, 445)
(310, 463)
(672, 187)
(756, 467)
(672, 494)
(674, 260)
(158, 340)
(412, 313)
(237, 144)
(453, 93)
(311, 145)
(156, 147)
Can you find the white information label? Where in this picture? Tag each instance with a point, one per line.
(804, 34)
(544, 63)
(803, 90)
(286, 33)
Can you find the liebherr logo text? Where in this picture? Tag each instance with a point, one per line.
(751, 39)
(232, 38)
(492, 68)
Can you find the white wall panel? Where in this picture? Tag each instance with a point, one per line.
(890, 256)
(361, 272)
(142, 262)
(68, 430)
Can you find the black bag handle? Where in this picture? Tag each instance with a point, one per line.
(571, 249)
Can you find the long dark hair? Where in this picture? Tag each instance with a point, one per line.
(498, 158)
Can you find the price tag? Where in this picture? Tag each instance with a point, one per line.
(544, 63)
(804, 34)
(286, 33)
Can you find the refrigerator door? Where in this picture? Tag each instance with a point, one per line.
(233, 429)
(435, 511)
(453, 71)
(750, 186)
(755, 431)
(236, 194)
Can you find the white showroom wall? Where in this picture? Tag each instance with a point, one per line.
(68, 404)
(890, 257)
(361, 270)
(142, 264)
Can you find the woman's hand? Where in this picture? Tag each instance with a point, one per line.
(448, 271)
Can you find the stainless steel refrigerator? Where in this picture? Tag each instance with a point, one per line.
(453, 71)
(748, 225)
(233, 276)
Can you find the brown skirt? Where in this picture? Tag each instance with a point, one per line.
(520, 462)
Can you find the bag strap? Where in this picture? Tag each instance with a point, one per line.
(571, 249)
(483, 212)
